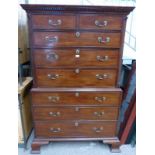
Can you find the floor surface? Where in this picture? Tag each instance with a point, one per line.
(77, 148)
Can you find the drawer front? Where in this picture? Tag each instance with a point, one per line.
(75, 77)
(66, 39)
(103, 22)
(76, 98)
(77, 57)
(53, 21)
(96, 129)
(74, 113)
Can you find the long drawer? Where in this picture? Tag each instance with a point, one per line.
(76, 77)
(93, 129)
(46, 98)
(77, 58)
(67, 39)
(74, 113)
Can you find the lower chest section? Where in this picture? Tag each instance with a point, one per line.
(75, 112)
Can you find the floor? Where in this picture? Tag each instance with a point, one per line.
(77, 148)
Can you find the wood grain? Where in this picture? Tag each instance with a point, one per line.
(75, 113)
(75, 74)
(86, 58)
(68, 129)
(42, 21)
(76, 98)
(69, 78)
(87, 21)
(68, 39)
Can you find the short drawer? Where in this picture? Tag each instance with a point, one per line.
(67, 39)
(53, 21)
(77, 57)
(43, 98)
(74, 113)
(103, 22)
(92, 129)
(76, 77)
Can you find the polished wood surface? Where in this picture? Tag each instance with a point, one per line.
(76, 98)
(85, 22)
(53, 21)
(77, 8)
(76, 129)
(76, 55)
(75, 113)
(76, 77)
(66, 39)
(103, 22)
(77, 58)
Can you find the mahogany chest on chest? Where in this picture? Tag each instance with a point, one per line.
(76, 56)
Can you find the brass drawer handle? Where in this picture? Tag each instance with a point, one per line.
(102, 58)
(101, 23)
(54, 23)
(54, 114)
(55, 129)
(98, 129)
(101, 40)
(53, 76)
(53, 98)
(51, 39)
(100, 99)
(101, 76)
(99, 114)
(52, 56)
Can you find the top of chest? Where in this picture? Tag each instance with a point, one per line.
(73, 16)
(60, 9)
